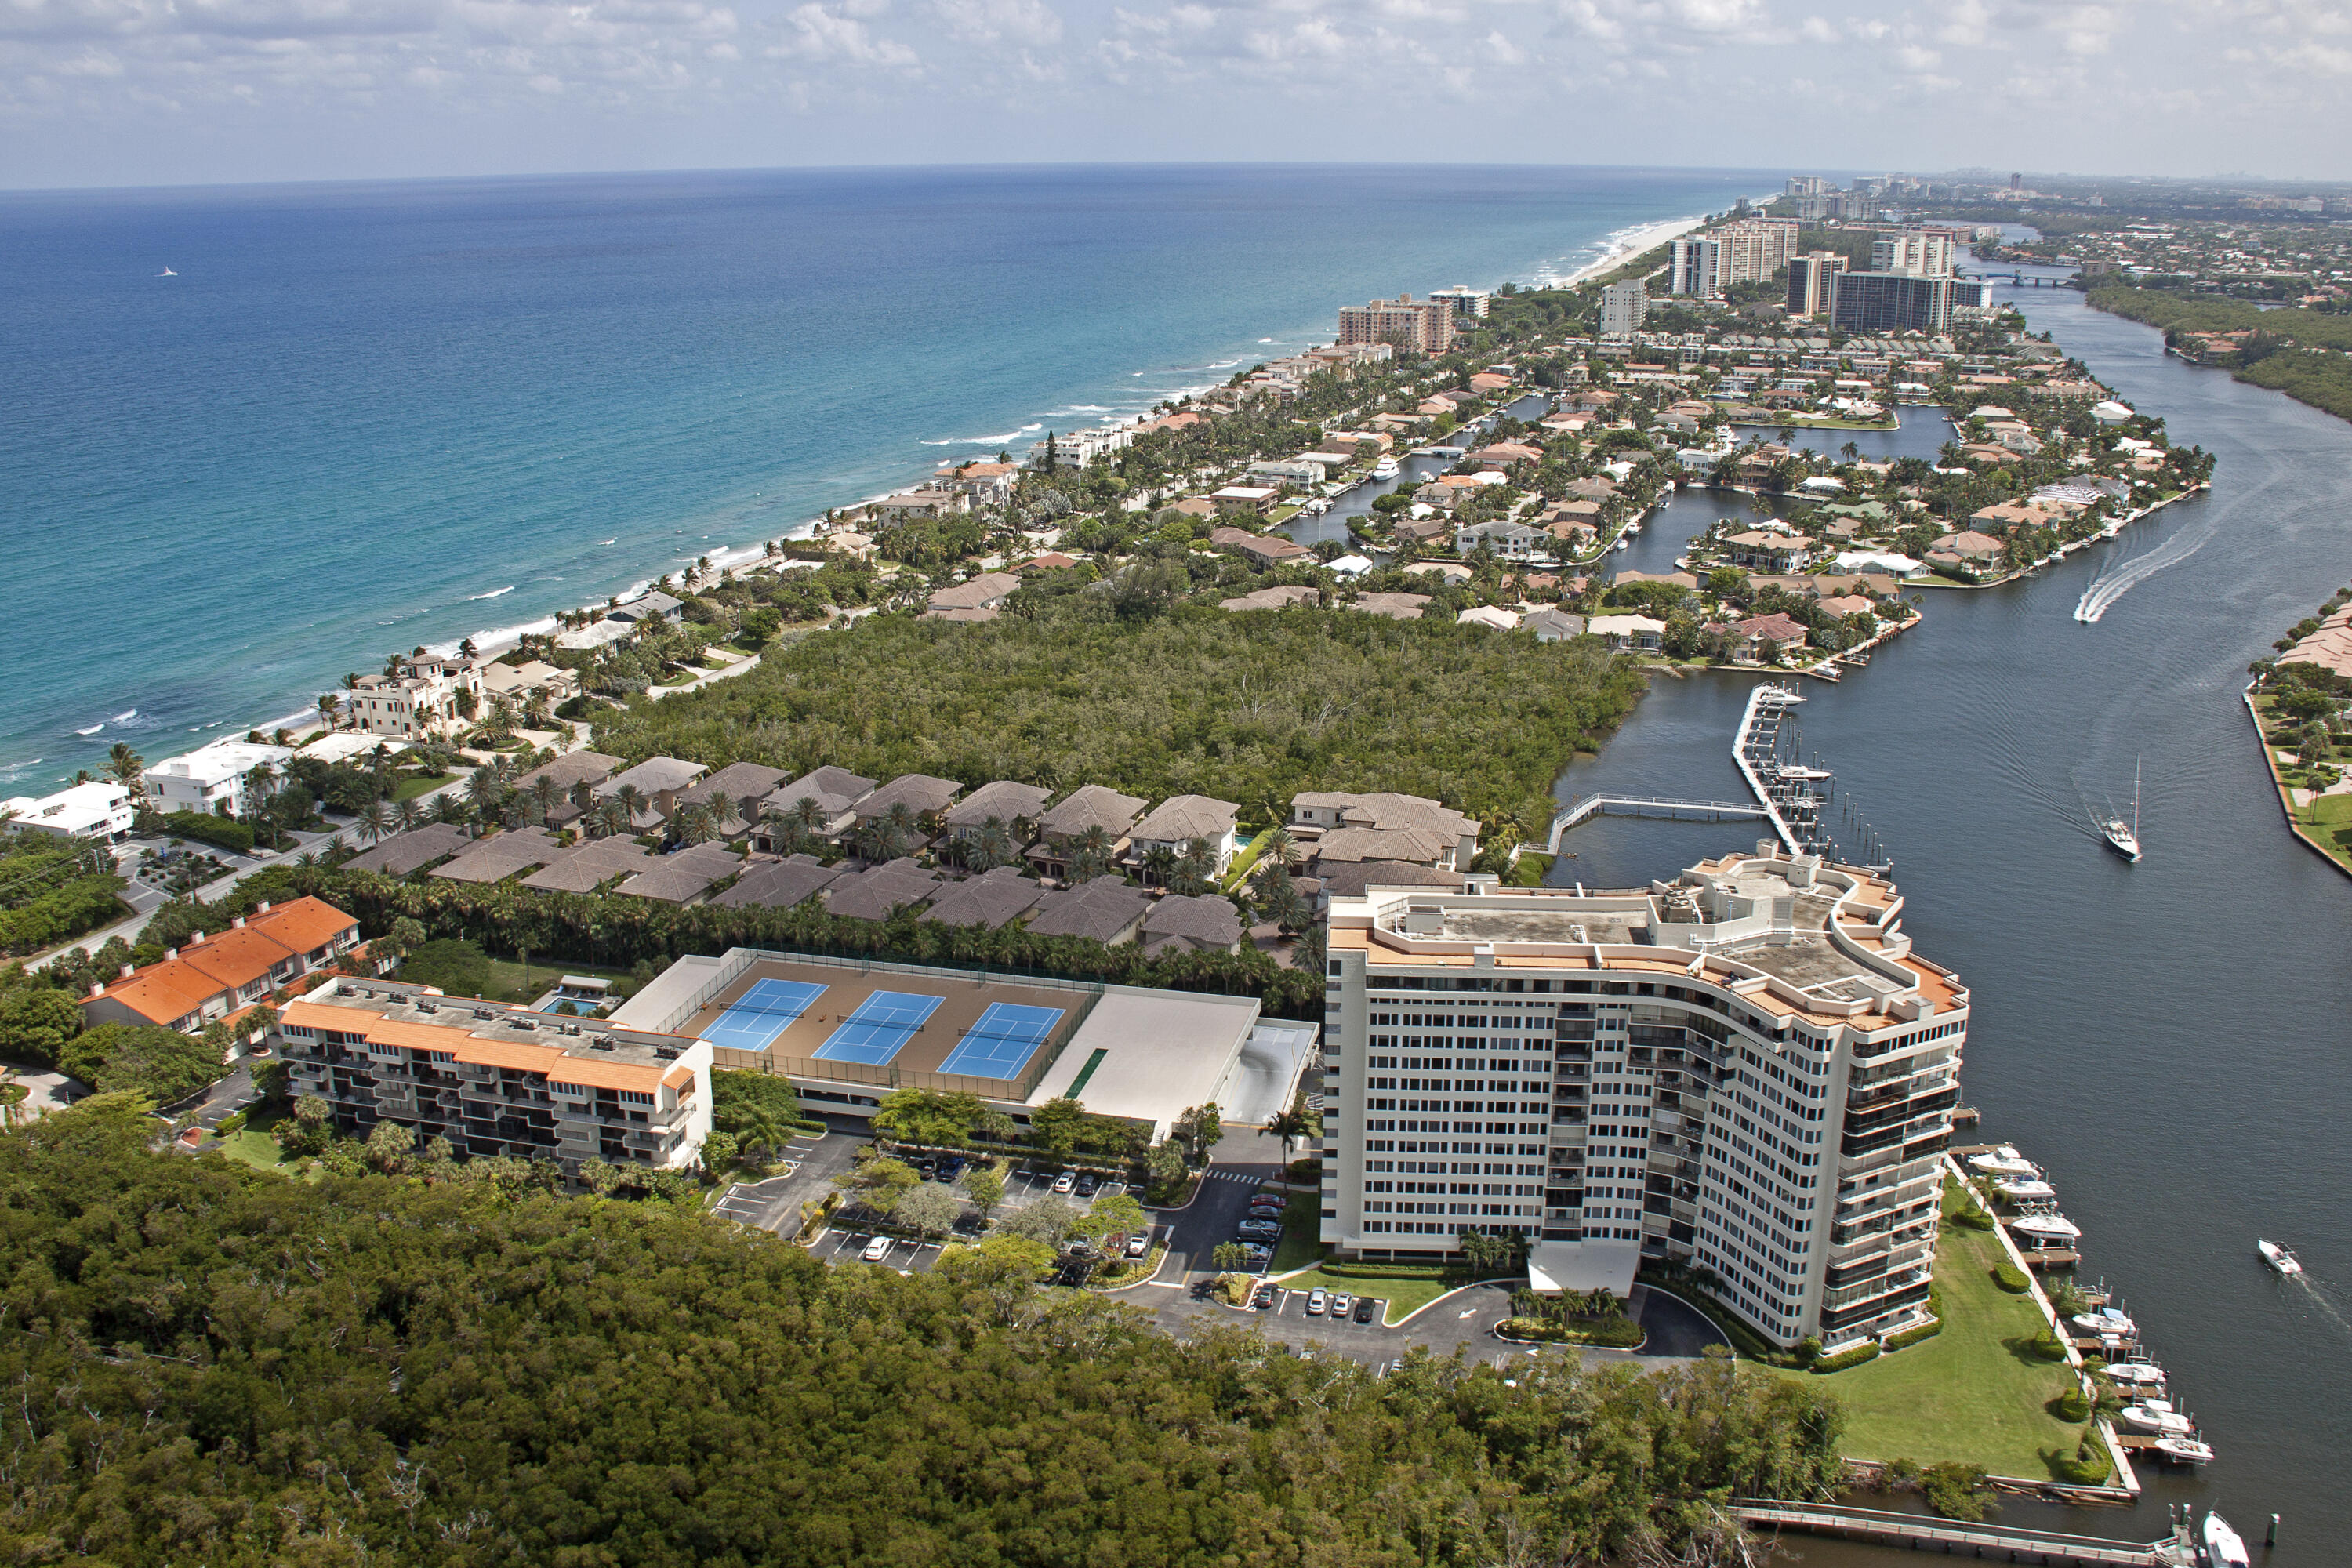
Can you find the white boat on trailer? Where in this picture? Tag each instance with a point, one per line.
(2158, 1418)
(2024, 1189)
(2107, 1323)
(2137, 1375)
(2276, 1255)
(2182, 1451)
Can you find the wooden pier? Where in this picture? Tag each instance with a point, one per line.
(1921, 1533)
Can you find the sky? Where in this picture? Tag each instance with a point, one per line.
(111, 92)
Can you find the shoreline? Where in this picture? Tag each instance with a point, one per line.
(1619, 246)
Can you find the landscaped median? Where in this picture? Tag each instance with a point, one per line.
(1980, 1392)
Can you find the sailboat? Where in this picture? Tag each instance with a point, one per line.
(167, 272)
(2122, 836)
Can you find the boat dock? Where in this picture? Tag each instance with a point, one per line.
(1794, 796)
(1922, 1532)
(1647, 805)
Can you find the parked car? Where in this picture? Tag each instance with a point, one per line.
(1341, 1302)
(927, 1166)
(1139, 1244)
(1265, 1297)
(1253, 1253)
(951, 1169)
(1065, 1181)
(1258, 1227)
(1257, 1213)
(1087, 1184)
(1315, 1301)
(1365, 1307)
(876, 1250)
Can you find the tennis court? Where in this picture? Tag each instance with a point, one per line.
(1001, 1042)
(883, 1024)
(753, 1020)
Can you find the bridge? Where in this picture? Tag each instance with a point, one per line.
(1594, 805)
(1922, 1532)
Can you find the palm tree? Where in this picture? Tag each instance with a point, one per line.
(614, 814)
(543, 791)
(375, 821)
(485, 787)
(760, 1128)
(695, 824)
(408, 814)
(633, 799)
(1295, 1123)
(992, 846)
(1157, 862)
(1091, 853)
(125, 765)
(331, 707)
(1277, 846)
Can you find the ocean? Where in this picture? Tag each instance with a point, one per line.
(364, 417)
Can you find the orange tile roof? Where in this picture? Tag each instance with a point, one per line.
(165, 992)
(236, 957)
(591, 1070)
(304, 925)
(677, 1078)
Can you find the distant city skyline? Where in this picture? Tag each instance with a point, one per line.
(109, 92)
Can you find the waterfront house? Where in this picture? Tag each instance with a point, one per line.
(1968, 548)
(96, 810)
(211, 778)
(912, 504)
(1249, 499)
(1264, 551)
(650, 605)
(987, 484)
(1440, 836)
(518, 682)
(1764, 552)
(426, 697)
(1502, 454)
(218, 976)
(1780, 630)
(1509, 540)
(1637, 633)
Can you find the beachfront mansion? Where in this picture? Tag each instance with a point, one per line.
(1745, 1068)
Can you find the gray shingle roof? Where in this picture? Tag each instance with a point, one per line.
(1187, 817)
(1104, 907)
(652, 776)
(571, 768)
(987, 902)
(684, 876)
(1094, 806)
(778, 884)
(587, 867)
(495, 858)
(921, 792)
(404, 852)
(733, 782)
(1208, 922)
(871, 895)
(1001, 799)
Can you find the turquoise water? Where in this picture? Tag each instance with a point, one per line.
(364, 417)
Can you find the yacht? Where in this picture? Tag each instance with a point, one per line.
(2182, 1451)
(2158, 1418)
(2143, 1375)
(2004, 1161)
(1386, 468)
(2046, 1229)
(2107, 1323)
(2024, 1189)
(2223, 1549)
(2123, 837)
(2276, 1255)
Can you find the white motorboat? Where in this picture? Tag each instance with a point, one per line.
(1624, 544)
(2158, 1418)
(2004, 1161)
(2107, 1323)
(2182, 1451)
(2024, 1189)
(2046, 1229)
(2122, 836)
(2276, 1255)
(2137, 1375)
(1386, 468)
(2223, 1549)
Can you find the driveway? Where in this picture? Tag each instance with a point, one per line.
(774, 1203)
(1245, 1159)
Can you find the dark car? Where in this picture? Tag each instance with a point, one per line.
(949, 1170)
(1265, 1297)
(927, 1167)
(1087, 1184)
(1268, 1211)
(1365, 1307)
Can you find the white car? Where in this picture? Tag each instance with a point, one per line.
(876, 1250)
(1065, 1181)
(1139, 1244)
(1341, 1302)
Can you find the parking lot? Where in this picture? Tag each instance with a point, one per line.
(812, 1161)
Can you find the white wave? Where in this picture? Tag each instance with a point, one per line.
(493, 593)
(611, 542)
(93, 730)
(1217, 364)
(124, 717)
(494, 638)
(1265, 339)
(16, 771)
(2122, 577)
(986, 440)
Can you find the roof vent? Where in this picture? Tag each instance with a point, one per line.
(483, 1013)
(523, 1024)
(129, 970)
(170, 953)
(236, 922)
(666, 1053)
(262, 908)
(601, 1043)
(194, 937)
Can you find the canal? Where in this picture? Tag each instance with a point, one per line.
(2169, 1038)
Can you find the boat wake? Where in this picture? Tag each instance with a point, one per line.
(2320, 1297)
(2120, 578)
(493, 593)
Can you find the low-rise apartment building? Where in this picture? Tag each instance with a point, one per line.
(218, 975)
(1745, 1069)
(210, 779)
(98, 809)
(497, 1080)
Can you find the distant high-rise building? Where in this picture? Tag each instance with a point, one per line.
(1753, 249)
(1898, 301)
(1468, 304)
(1821, 205)
(1811, 281)
(1623, 308)
(1696, 269)
(1805, 186)
(1420, 327)
(1914, 252)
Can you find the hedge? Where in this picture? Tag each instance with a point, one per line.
(1387, 1270)
(225, 832)
(2010, 1277)
(1913, 1336)
(1845, 1359)
(1620, 1334)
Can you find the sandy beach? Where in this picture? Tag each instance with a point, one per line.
(1624, 247)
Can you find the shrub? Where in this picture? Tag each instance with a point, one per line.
(1845, 1359)
(458, 966)
(225, 832)
(2071, 1406)
(2047, 1346)
(36, 1023)
(1308, 1169)
(1913, 1336)
(1618, 1333)
(1972, 1218)
(2088, 1465)
(2012, 1279)
(1952, 1491)
(1808, 1351)
(163, 1065)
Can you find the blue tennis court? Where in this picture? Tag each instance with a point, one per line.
(883, 1023)
(1002, 1041)
(753, 1020)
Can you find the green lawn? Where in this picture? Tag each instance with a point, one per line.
(1972, 1393)
(1302, 1229)
(2328, 821)
(410, 785)
(1403, 1293)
